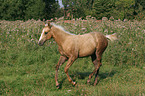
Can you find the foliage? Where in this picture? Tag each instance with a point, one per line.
(124, 9)
(103, 8)
(11, 9)
(48, 9)
(28, 69)
(28, 9)
(119, 9)
(74, 7)
(52, 9)
(34, 9)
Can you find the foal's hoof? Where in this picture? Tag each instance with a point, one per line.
(95, 83)
(88, 82)
(74, 83)
(57, 86)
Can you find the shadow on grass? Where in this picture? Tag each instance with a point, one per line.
(101, 75)
(107, 74)
(61, 82)
(83, 75)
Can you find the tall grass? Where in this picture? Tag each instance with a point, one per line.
(28, 69)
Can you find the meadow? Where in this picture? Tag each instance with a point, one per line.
(29, 69)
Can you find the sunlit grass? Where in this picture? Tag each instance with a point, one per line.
(28, 69)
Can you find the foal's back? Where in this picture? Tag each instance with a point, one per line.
(86, 44)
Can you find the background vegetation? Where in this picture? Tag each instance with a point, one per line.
(28, 69)
(47, 9)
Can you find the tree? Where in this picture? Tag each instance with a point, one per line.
(34, 9)
(141, 2)
(28, 9)
(52, 9)
(103, 8)
(90, 4)
(76, 8)
(11, 9)
(139, 9)
(124, 9)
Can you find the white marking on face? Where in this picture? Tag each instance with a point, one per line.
(41, 35)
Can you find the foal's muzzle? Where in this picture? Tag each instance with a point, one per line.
(40, 43)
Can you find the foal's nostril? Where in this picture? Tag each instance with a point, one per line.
(40, 43)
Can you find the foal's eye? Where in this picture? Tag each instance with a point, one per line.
(46, 33)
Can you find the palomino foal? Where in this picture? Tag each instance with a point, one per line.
(73, 46)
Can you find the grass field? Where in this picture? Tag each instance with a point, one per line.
(28, 69)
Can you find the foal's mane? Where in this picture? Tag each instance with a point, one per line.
(61, 28)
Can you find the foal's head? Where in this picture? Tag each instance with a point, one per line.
(46, 34)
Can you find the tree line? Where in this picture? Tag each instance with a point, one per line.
(29, 9)
(47, 9)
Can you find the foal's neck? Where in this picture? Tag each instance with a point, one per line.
(59, 35)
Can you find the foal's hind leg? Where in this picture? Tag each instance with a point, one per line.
(99, 64)
(62, 59)
(94, 60)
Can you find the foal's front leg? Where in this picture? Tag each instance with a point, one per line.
(69, 63)
(62, 59)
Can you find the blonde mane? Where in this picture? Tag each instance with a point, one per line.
(61, 28)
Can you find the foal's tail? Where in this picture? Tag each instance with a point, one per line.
(112, 37)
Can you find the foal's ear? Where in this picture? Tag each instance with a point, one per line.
(49, 25)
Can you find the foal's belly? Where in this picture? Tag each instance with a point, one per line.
(86, 50)
(85, 53)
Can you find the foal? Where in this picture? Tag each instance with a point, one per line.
(73, 46)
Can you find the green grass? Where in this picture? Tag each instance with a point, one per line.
(28, 69)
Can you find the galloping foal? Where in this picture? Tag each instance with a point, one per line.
(73, 46)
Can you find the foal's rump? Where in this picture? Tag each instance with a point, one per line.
(89, 43)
